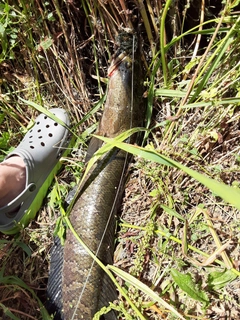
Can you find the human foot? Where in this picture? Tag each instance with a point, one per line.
(12, 179)
(40, 150)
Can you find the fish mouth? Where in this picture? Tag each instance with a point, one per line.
(127, 46)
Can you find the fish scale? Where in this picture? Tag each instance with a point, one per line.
(84, 286)
(77, 263)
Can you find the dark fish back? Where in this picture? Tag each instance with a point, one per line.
(84, 286)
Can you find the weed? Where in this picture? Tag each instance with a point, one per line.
(178, 249)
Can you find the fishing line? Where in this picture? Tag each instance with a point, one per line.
(118, 188)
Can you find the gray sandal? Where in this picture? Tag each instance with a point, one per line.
(41, 150)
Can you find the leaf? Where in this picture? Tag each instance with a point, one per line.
(2, 116)
(202, 104)
(51, 17)
(170, 93)
(185, 282)
(172, 212)
(12, 280)
(24, 247)
(227, 193)
(219, 279)
(46, 112)
(144, 288)
(4, 139)
(60, 230)
(105, 310)
(7, 312)
(45, 44)
(107, 147)
(2, 29)
(215, 61)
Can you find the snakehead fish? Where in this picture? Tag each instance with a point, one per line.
(77, 285)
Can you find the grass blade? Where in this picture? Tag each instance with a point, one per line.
(229, 194)
(144, 288)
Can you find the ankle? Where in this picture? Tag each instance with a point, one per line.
(12, 179)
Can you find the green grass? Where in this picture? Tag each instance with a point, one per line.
(177, 247)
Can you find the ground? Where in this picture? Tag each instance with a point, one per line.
(176, 234)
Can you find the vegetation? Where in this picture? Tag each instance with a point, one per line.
(177, 249)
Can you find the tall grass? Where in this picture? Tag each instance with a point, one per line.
(177, 247)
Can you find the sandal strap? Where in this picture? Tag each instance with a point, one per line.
(15, 203)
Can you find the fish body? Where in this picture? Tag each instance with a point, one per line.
(93, 211)
(85, 287)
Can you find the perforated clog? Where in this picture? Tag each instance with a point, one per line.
(41, 150)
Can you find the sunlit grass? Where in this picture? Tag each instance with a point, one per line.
(188, 169)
